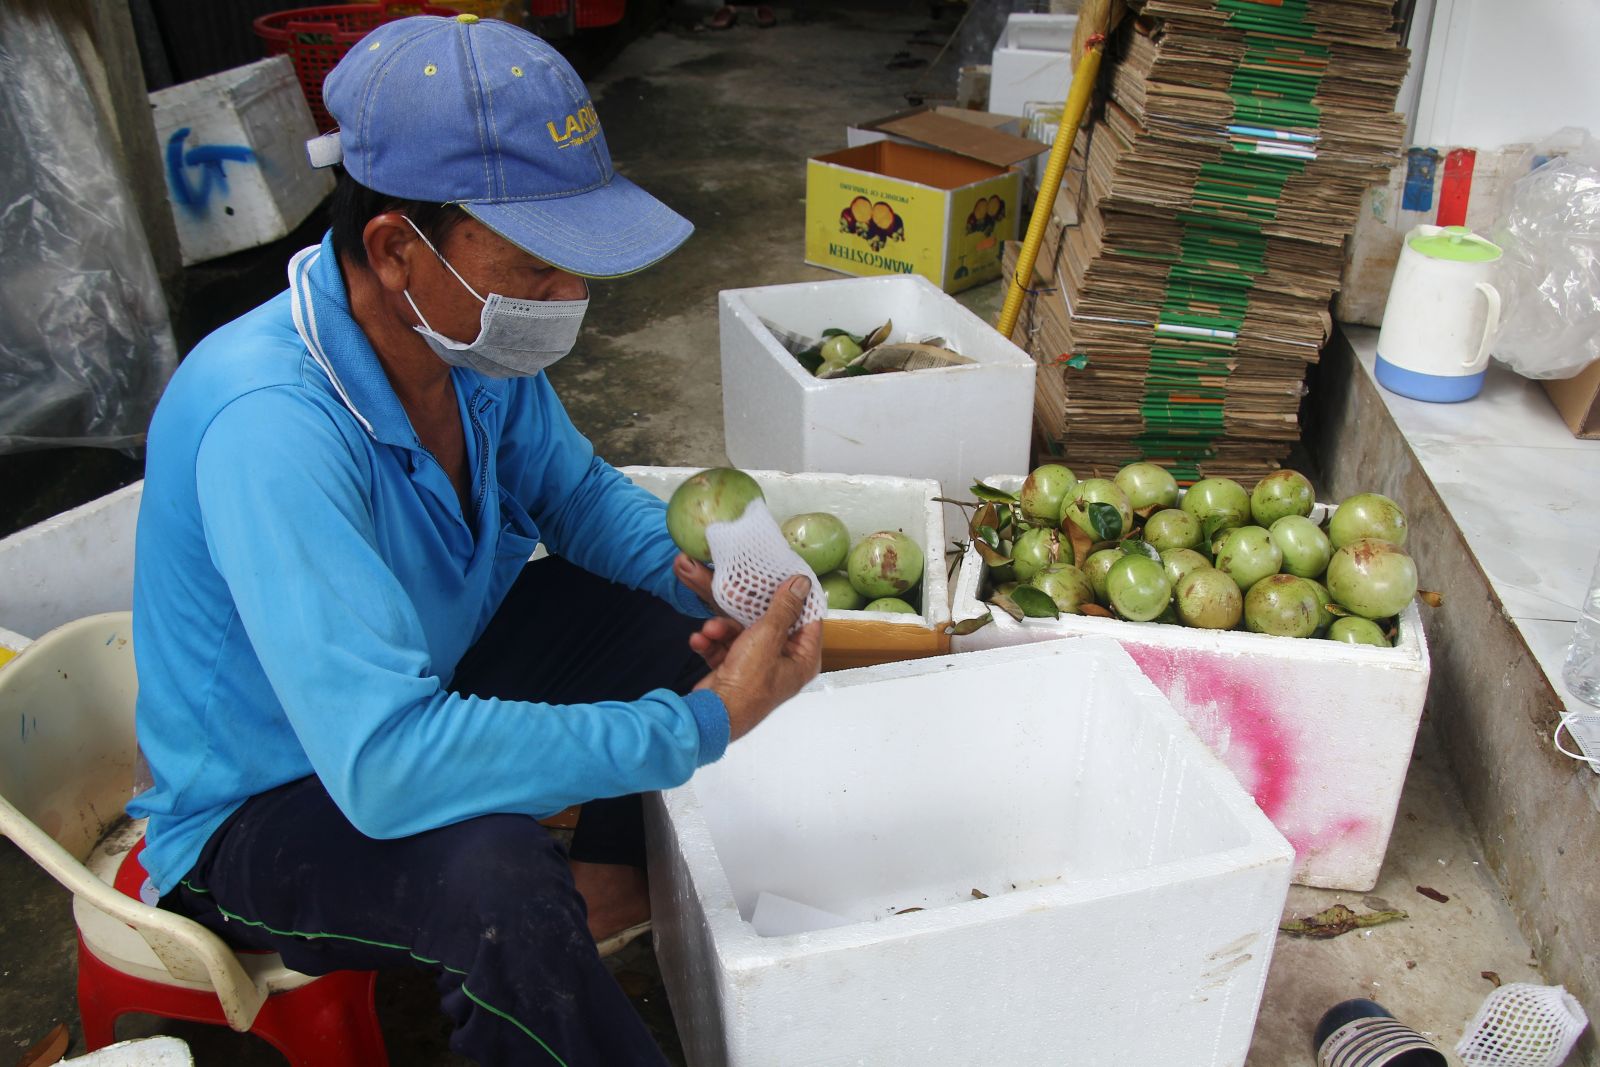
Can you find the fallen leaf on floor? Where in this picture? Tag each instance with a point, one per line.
(978, 894)
(1411, 965)
(1492, 976)
(1331, 922)
(1433, 894)
(907, 911)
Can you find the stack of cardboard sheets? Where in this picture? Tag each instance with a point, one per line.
(1183, 286)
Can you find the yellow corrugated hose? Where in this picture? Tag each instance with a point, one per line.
(1083, 79)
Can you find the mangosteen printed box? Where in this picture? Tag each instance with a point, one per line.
(942, 208)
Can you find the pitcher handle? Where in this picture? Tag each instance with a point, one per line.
(1491, 323)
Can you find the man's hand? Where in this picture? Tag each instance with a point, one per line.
(697, 576)
(719, 632)
(764, 666)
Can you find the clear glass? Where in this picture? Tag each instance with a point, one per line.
(1582, 670)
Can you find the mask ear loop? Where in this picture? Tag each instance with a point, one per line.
(446, 263)
(1555, 737)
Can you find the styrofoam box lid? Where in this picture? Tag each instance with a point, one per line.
(1042, 775)
(234, 88)
(915, 305)
(1410, 650)
(865, 504)
(1045, 33)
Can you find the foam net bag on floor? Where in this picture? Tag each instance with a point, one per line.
(751, 559)
(1523, 1025)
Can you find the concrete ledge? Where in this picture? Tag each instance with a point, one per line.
(1491, 703)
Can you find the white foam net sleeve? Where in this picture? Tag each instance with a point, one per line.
(1523, 1025)
(750, 559)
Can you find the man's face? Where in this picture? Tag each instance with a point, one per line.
(490, 264)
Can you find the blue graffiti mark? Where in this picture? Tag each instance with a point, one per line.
(209, 159)
(1417, 193)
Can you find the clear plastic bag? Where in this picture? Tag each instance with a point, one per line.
(1549, 276)
(85, 342)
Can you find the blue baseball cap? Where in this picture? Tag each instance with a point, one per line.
(487, 116)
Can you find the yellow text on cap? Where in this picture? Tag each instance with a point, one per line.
(469, 19)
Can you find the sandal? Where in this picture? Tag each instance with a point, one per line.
(725, 17)
(622, 939)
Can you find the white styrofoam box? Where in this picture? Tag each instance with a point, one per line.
(1319, 732)
(77, 563)
(1039, 33)
(1132, 889)
(952, 424)
(1033, 61)
(234, 146)
(865, 505)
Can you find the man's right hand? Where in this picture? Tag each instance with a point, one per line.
(765, 666)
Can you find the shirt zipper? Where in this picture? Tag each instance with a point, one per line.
(476, 404)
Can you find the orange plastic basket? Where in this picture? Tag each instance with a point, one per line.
(590, 14)
(316, 38)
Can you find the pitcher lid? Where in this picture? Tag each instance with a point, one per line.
(1454, 243)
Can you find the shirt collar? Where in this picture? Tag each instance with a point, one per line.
(321, 307)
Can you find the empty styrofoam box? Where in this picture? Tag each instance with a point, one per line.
(948, 424)
(1031, 62)
(234, 146)
(865, 504)
(1035, 860)
(1319, 732)
(77, 563)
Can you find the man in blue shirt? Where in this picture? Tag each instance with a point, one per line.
(356, 694)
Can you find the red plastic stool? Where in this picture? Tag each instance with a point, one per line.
(329, 1021)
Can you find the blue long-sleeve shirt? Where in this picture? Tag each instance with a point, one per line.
(306, 581)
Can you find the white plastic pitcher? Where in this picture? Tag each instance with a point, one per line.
(1442, 316)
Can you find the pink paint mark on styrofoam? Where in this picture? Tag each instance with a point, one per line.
(1231, 703)
(1338, 832)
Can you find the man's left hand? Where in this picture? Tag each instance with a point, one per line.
(719, 631)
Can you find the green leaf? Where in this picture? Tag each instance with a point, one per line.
(810, 359)
(989, 536)
(989, 492)
(1002, 518)
(1035, 603)
(1106, 521)
(967, 626)
(1141, 548)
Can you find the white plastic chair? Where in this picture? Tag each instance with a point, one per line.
(67, 763)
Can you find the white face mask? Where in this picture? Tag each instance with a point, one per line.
(515, 337)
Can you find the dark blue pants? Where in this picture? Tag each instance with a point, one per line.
(488, 903)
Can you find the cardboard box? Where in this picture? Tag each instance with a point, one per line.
(1578, 400)
(235, 151)
(1319, 732)
(1012, 857)
(948, 424)
(888, 127)
(941, 207)
(865, 505)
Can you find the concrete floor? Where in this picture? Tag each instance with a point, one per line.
(718, 125)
